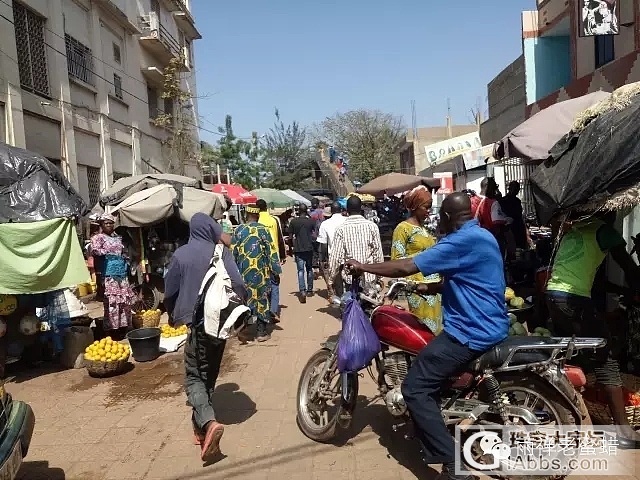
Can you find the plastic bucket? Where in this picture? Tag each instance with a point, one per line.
(145, 344)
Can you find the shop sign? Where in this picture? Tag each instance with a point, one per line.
(440, 152)
(599, 17)
(478, 158)
(446, 182)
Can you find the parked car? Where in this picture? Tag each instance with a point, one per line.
(16, 428)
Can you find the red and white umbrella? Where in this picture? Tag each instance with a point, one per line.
(237, 194)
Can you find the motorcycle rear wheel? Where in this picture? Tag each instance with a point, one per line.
(556, 404)
(319, 423)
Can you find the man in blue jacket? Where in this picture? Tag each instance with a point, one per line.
(202, 353)
(474, 312)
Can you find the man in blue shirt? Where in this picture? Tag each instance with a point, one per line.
(474, 311)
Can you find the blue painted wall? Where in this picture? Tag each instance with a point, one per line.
(547, 65)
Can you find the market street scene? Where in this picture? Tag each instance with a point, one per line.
(253, 240)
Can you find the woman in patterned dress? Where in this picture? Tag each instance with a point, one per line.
(251, 247)
(410, 238)
(118, 295)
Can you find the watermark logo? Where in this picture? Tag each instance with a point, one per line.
(540, 450)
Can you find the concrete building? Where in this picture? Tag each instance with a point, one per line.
(507, 99)
(560, 64)
(81, 83)
(413, 155)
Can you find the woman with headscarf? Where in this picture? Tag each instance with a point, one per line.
(118, 295)
(409, 239)
(257, 263)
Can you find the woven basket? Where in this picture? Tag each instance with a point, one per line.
(600, 412)
(149, 321)
(106, 369)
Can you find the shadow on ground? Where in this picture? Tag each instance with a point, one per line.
(376, 417)
(40, 471)
(232, 406)
(22, 371)
(331, 311)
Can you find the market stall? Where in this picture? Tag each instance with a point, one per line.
(154, 212)
(595, 168)
(393, 183)
(41, 257)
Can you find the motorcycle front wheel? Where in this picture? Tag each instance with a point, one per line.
(318, 414)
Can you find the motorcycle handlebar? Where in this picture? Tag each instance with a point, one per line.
(399, 286)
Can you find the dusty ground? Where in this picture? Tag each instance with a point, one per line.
(137, 426)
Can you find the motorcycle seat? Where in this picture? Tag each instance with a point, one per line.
(498, 354)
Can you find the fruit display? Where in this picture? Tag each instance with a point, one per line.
(516, 327)
(512, 299)
(146, 318)
(509, 294)
(541, 332)
(168, 331)
(106, 350)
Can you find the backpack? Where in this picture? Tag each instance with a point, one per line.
(223, 311)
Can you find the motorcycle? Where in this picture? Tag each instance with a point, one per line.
(521, 381)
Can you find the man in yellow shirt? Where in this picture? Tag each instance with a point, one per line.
(272, 224)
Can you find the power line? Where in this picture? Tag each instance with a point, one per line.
(144, 102)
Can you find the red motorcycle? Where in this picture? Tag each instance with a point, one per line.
(521, 381)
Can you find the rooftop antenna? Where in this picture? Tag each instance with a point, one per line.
(449, 134)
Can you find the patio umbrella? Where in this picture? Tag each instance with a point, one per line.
(297, 197)
(532, 139)
(366, 198)
(306, 195)
(274, 198)
(237, 194)
(396, 183)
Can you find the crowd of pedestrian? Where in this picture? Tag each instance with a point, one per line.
(340, 162)
(456, 268)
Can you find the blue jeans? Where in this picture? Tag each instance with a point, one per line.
(304, 260)
(440, 360)
(275, 297)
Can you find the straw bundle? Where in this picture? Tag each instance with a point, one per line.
(626, 199)
(619, 100)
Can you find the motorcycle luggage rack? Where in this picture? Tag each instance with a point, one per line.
(558, 347)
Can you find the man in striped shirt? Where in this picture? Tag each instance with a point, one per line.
(356, 239)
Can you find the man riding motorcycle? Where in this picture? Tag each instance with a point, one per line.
(474, 312)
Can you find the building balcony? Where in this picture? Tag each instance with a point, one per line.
(176, 5)
(119, 15)
(157, 39)
(550, 12)
(153, 75)
(186, 23)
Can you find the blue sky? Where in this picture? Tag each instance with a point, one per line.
(312, 59)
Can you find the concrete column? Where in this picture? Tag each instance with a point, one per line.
(11, 92)
(102, 98)
(136, 168)
(14, 117)
(59, 81)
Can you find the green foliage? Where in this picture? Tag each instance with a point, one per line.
(286, 154)
(369, 139)
(233, 153)
(180, 148)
